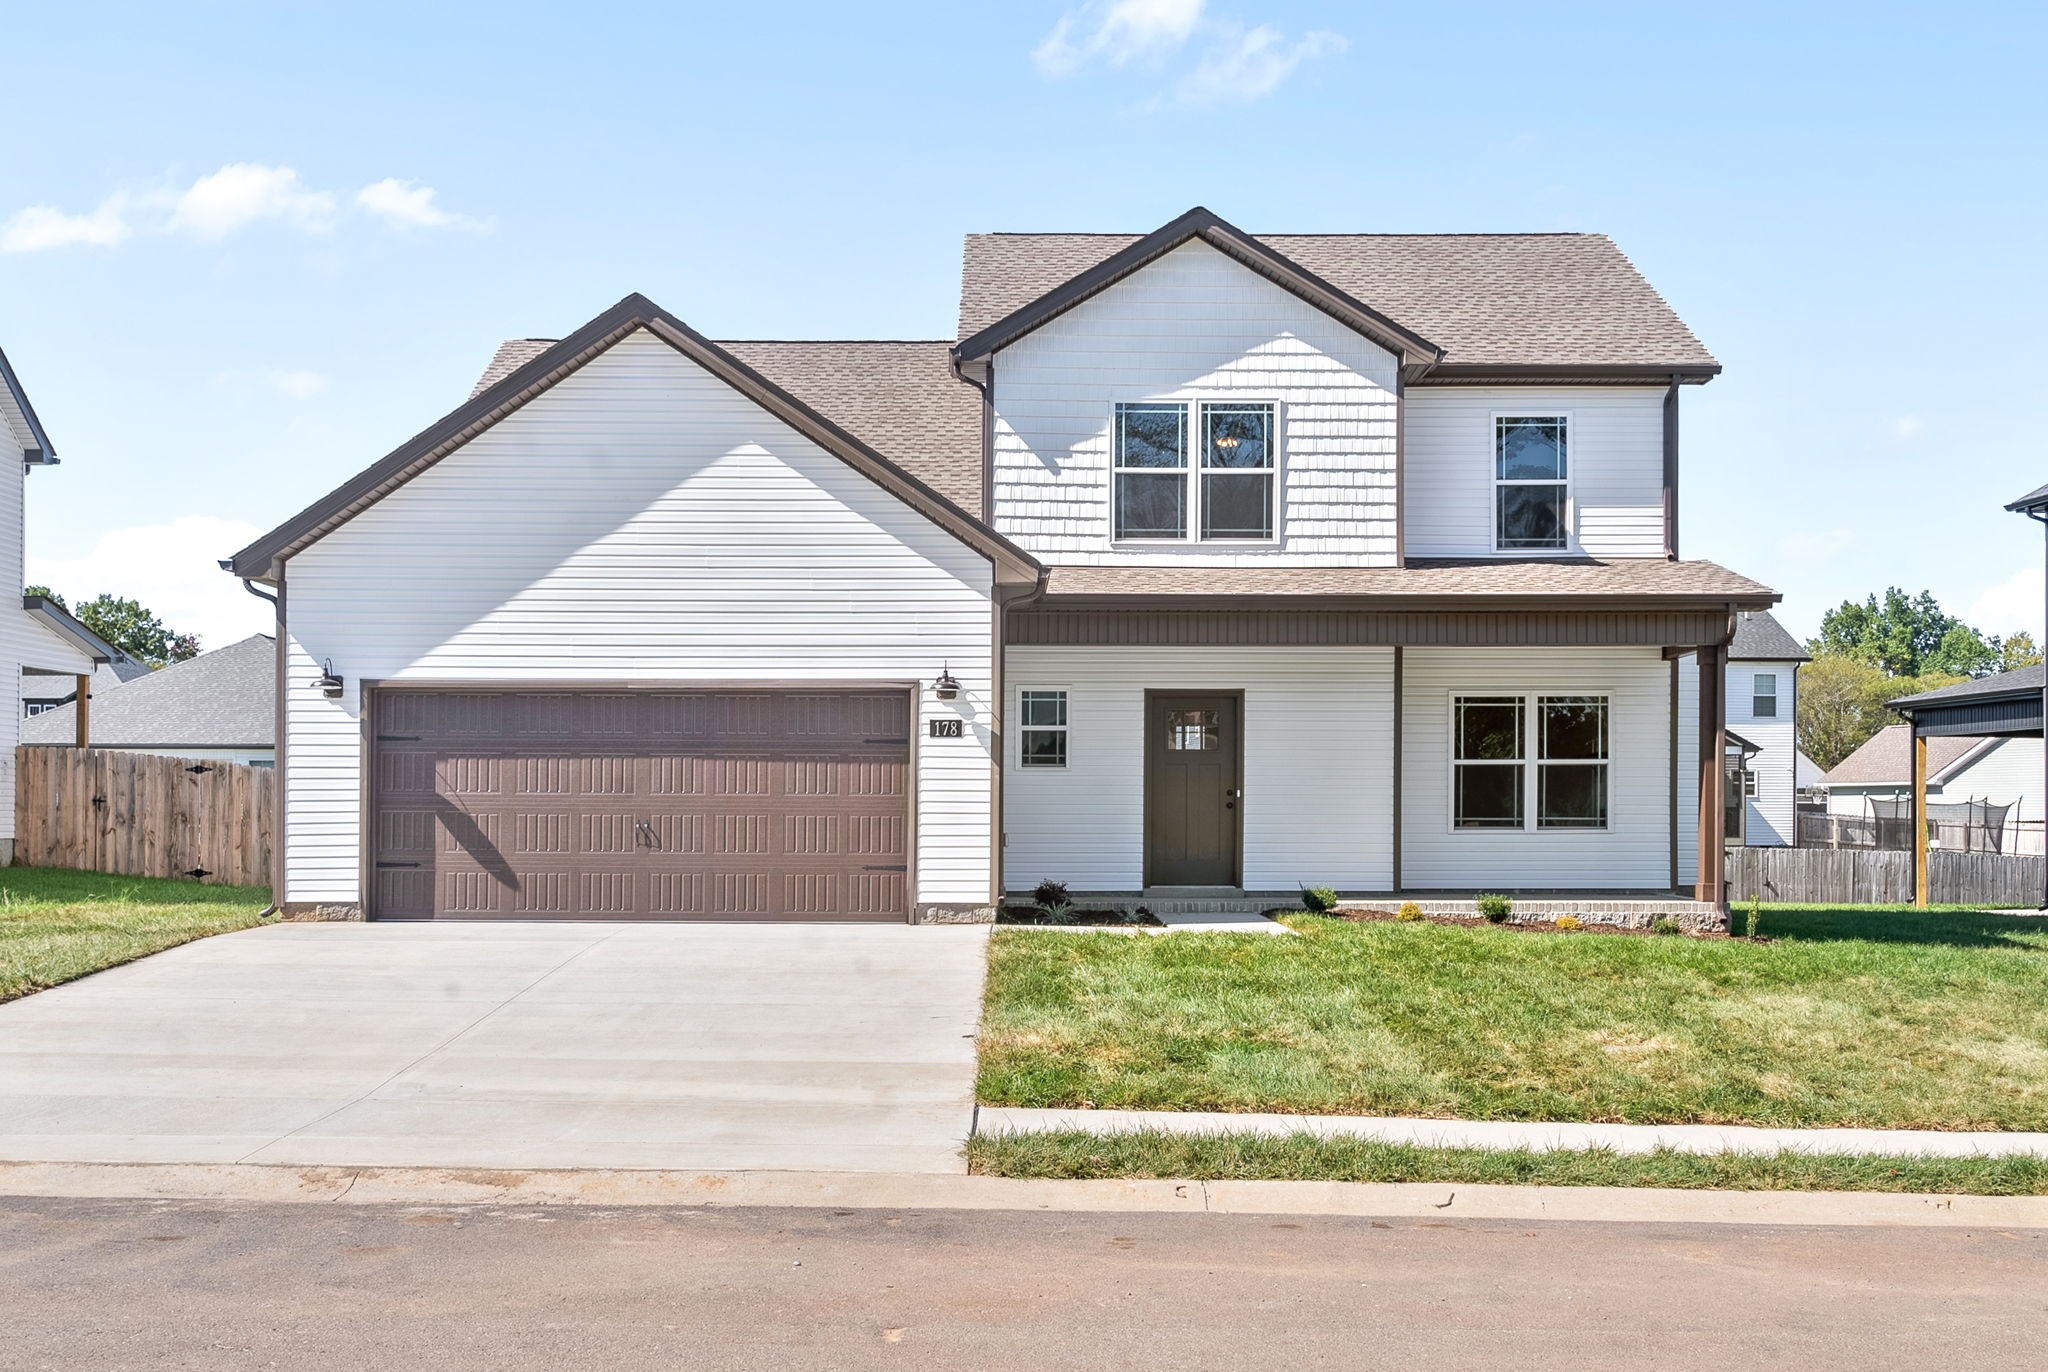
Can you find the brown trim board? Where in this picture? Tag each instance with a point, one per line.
(1050, 624)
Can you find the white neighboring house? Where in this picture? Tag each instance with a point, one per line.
(2003, 771)
(1201, 563)
(38, 640)
(1763, 698)
(218, 705)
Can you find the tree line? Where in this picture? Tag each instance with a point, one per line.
(1880, 650)
(127, 625)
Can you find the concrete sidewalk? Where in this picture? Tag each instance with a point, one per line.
(840, 1046)
(1537, 1137)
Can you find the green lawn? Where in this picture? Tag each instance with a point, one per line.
(1851, 1017)
(1305, 1157)
(56, 925)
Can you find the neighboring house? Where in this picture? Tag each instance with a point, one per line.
(44, 693)
(1763, 698)
(1960, 768)
(218, 705)
(1202, 562)
(39, 641)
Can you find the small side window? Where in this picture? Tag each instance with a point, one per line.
(1042, 728)
(1763, 697)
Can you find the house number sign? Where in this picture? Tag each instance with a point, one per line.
(946, 728)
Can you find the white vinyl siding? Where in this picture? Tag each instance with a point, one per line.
(1196, 325)
(1632, 852)
(1317, 735)
(1616, 464)
(1771, 818)
(2008, 774)
(641, 521)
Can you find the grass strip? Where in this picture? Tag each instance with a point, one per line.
(1144, 1154)
(58, 925)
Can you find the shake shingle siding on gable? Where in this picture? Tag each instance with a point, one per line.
(1194, 323)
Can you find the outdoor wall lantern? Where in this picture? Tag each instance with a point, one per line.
(947, 687)
(330, 683)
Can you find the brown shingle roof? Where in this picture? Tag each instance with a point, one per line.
(1885, 759)
(1488, 299)
(899, 398)
(1478, 578)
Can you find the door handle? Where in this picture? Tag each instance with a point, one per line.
(1230, 798)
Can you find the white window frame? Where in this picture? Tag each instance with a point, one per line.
(1531, 760)
(1755, 695)
(1751, 787)
(31, 709)
(1063, 729)
(1570, 546)
(1194, 410)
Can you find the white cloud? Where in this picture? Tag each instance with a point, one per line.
(173, 569)
(1815, 545)
(1250, 64)
(43, 226)
(1118, 33)
(297, 385)
(2014, 603)
(242, 193)
(410, 204)
(1908, 427)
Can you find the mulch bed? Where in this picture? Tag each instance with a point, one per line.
(1357, 916)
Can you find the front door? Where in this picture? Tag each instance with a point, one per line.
(1192, 795)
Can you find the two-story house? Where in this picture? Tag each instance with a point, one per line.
(1198, 562)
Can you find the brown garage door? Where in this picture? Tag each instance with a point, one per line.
(756, 804)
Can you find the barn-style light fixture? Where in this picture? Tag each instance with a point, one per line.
(330, 681)
(947, 687)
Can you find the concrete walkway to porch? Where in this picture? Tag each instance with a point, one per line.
(1512, 1134)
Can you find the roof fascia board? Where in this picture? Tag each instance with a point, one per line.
(64, 624)
(1574, 374)
(259, 561)
(1466, 604)
(1416, 352)
(40, 453)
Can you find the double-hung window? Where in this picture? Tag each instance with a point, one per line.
(1522, 762)
(1228, 492)
(1763, 695)
(1042, 728)
(1531, 481)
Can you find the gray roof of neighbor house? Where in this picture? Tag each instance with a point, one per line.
(1759, 637)
(1486, 299)
(221, 699)
(899, 398)
(1886, 758)
(106, 676)
(2019, 681)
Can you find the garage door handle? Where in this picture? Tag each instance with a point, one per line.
(885, 740)
(382, 865)
(899, 867)
(398, 738)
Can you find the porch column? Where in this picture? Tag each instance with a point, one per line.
(1713, 662)
(1919, 815)
(81, 733)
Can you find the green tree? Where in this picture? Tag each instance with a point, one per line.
(46, 593)
(1962, 652)
(1899, 634)
(135, 630)
(2018, 651)
(1842, 703)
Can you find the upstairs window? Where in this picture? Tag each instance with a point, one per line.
(1763, 695)
(1151, 471)
(1228, 493)
(1531, 476)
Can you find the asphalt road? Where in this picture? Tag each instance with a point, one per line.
(132, 1284)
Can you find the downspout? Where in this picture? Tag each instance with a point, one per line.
(277, 747)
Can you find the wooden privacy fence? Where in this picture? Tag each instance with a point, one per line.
(1876, 876)
(143, 816)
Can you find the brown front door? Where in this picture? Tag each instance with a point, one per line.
(1192, 796)
(740, 804)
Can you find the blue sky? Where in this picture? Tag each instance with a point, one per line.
(246, 250)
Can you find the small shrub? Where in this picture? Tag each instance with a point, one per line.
(1318, 900)
(1055, 904)
(1754, 918)
(1568, 922)
(1496, 908)
(1409, 912)
(1667, 926)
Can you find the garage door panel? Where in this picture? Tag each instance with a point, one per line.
(752, 804)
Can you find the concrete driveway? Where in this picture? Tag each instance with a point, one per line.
(831, 1047)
